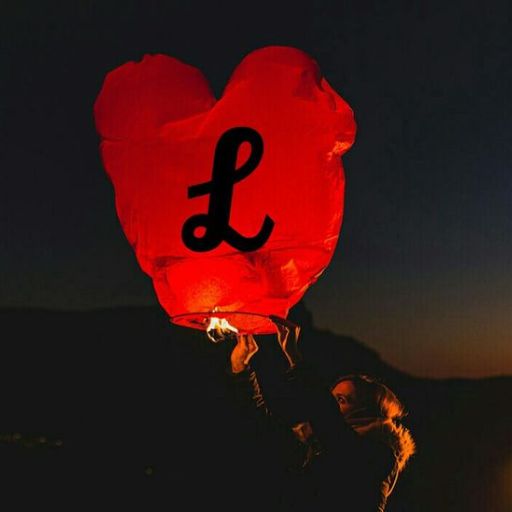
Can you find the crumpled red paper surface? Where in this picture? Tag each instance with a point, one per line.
(161, 130)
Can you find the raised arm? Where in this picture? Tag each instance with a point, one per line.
(241, 355)
(288, 338)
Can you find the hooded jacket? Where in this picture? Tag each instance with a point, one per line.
(330, 463)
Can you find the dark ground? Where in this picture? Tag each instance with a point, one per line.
(119, 408)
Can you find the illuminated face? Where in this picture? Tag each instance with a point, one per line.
(345, 394)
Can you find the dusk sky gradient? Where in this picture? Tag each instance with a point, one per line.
(423, 269)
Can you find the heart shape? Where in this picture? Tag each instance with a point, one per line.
(163, 134)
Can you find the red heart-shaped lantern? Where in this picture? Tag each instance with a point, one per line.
(233, 206)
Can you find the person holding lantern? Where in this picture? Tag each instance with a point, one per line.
(347, 442)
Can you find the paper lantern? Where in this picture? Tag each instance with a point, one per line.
(232, 206)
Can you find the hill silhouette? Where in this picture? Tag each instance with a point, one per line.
(119, 407)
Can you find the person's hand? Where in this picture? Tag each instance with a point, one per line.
(288, 338)
(245, 348)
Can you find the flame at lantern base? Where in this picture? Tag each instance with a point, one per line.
(220, 329)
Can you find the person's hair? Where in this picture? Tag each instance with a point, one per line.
(377, 399)
(375, 396)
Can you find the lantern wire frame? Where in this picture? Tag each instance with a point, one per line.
(245, 322)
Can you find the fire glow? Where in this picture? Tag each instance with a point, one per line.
(220, 329)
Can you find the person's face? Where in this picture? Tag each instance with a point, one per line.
(345, 394)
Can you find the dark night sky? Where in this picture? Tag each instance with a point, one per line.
(422, 271)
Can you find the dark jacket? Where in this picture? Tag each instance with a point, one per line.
(335, 468)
